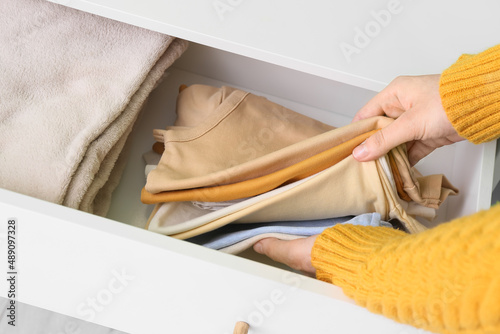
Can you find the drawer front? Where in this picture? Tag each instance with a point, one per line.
(125, 278)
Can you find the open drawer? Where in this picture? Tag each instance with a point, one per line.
(113, 272)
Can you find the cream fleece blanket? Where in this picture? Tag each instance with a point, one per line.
(71, 87)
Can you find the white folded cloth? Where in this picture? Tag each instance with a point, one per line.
(71, 87)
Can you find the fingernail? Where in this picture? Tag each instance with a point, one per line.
(258, 247)
(360, 152)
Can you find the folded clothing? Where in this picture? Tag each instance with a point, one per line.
(347, 188)
(280, 180)
(232, 234)
(174, 218)
(72, 87)
(206, 118)
(199, 163)
(263, 183)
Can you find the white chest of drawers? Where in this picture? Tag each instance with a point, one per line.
(324, 59)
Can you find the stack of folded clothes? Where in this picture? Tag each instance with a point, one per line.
(234, 157)
(71, 88)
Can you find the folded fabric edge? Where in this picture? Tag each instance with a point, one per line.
(86, 172)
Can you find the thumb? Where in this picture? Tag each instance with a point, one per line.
(380, 143)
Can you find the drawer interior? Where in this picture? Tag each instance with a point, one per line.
(331, 102)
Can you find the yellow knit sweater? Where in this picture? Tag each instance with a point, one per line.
(446, 279)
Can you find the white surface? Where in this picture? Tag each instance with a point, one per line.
(419, 37)
(136, 281)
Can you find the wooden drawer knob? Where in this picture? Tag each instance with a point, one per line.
(241, 328)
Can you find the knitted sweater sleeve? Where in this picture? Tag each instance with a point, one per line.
(470, 93)
(445, 279)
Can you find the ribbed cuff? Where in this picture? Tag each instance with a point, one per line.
(445, 279)
(470, 93)
(341, 254)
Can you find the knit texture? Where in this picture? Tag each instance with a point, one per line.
(470, 93)
(445, 280)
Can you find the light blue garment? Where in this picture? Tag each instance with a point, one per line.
(233, 233)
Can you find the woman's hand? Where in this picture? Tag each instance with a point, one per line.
(295, 253)
(420, 120)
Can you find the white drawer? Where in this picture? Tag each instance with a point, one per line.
(143, 282)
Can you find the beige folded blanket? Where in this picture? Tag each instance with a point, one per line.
(71, 87)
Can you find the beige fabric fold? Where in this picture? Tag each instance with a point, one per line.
(430, 191)
(198, 153)
(263, 183)
(176, 217)
(100, 170)
(229, 142)
(348, 188)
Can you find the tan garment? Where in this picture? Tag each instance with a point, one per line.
(184, 152)
(207, 118)
(261, 184)
(429, 191)
(348, 188)
(218, 130)
(176, 217)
